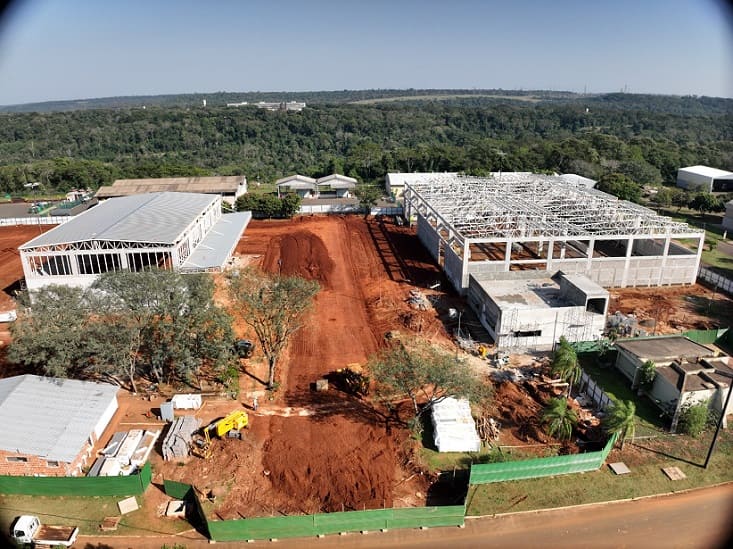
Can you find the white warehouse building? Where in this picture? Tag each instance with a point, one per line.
(704, 178)
(186, 232)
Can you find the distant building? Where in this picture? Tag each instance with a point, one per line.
(296, 106)
(704, 178)
(329, 186)
(229, 187)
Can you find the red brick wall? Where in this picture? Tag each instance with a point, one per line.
(39, 466)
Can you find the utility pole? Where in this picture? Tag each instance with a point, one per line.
(720, 423)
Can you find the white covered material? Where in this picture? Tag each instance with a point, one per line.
(455, 429)
(186, 401)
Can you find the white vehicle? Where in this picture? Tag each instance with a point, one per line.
(28, 530)
(8, 316)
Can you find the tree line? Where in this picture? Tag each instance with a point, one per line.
(89, 148)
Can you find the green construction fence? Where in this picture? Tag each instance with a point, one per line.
(131, 485)
(319, 524)
(540, 467)
(706, 337)
(334, 523)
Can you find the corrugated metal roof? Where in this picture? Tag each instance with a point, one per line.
(216, 184)
(707, 171)
(219, 243)
(295, 178)
(335, 177)
(151, 218)
(50, 417)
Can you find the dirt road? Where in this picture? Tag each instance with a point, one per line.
(694, 519)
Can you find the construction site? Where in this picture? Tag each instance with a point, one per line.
(304, 451)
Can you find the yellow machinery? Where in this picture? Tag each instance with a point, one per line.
(233, 422)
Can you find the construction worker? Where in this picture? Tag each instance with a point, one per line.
(255, 404)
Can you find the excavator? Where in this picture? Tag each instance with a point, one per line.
(227, 426)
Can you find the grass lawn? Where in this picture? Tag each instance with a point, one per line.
(87, 513)
(645, 458)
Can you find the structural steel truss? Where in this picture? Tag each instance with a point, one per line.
(526, 205)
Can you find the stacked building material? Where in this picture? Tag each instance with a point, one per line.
(177, 442)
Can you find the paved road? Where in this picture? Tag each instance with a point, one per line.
(698, 519)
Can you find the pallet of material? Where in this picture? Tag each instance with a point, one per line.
(113, 446)
(141, 453)
(128, 446)
(177, 441)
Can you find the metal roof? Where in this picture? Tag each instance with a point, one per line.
(707, 171)
(156, 218)
(295, 179)
(216, 184)
(219, 243)
(337, 181)
(661, 348)
(50, 417)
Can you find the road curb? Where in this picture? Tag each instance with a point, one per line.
(598, 503)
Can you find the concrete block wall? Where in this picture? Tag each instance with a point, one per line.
(428, 236)
(453, 268)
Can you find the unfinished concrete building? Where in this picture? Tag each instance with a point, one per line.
(533, 311)
(486, 226)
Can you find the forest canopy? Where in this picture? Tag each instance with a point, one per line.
(644, 138)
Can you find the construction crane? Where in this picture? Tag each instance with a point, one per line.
(222, 427)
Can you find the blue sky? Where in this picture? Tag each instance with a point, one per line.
(72, 49)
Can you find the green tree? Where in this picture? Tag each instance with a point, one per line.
(647, 374)
(619, 186)
(621, 419)
(565, 363)
(705, 202)
(559, 418)
(694, 418)
(368, 196)
(52, 335)
(424, 375)
(274, 306)
(159, 324)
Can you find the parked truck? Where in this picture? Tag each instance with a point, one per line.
(28, 530)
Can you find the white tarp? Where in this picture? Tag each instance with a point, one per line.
(186, 401)
(455, 430)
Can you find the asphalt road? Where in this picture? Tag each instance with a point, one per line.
(697, 519)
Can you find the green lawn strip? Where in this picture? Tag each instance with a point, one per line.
(87, 513)
(646, 478)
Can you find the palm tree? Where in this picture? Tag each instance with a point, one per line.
(565, 363)
(559, 418)
(621, 419)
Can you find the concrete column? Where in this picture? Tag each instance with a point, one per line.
(629, 250)
(550, 253)
(665, 252)
(466, 258)
(508, 256)
(591, 247)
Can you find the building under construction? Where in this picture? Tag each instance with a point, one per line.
(484, 226)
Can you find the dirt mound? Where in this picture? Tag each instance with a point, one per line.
(334, 466)
(300, 253)
(671, 310)
(519, 413)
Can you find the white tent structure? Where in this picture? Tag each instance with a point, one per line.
(454, 428)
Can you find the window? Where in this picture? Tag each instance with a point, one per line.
(527, 333)
(17, 459)
(52, 463)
